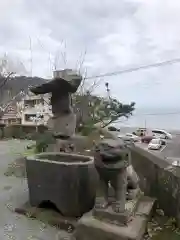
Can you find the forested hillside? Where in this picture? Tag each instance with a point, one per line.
(12, 86)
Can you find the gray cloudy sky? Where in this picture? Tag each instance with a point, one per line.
(116, 34)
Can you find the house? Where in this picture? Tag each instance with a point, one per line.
(34, 109)
(10, 115)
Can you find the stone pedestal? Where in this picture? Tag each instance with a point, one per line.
(94, 225)
(64, 124)
(122, 218)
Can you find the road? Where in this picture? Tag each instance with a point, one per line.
(14, 191)
(173, 148)
(170, 152)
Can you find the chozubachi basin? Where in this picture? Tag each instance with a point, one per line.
(66, 180)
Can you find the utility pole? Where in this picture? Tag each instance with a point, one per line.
(145, 125)
(31, 56)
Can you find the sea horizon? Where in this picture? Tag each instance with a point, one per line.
(164, 118)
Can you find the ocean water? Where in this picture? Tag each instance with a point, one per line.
(164, 118)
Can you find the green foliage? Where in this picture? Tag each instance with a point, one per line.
(86, 129)
(111, 109)
(92, 109)
(43, 140)
(22, 132)
(14, 131)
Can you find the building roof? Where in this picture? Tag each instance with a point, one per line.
(10, 112)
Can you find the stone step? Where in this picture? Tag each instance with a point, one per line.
(90, 228)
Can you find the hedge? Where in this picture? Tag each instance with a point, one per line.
(23, 131)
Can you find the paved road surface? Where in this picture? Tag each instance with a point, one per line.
(170, 153)
(173, 148)
(12, 225)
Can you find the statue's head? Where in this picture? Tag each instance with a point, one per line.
(70, 76)
(111, 153)
(64, 82)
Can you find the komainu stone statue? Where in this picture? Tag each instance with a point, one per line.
(65, 83)
(111, 161)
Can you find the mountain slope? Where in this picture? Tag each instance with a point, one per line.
(16, 84)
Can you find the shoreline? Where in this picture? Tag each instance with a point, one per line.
(129, 129)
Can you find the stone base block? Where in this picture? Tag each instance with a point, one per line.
(108, 215)
(146, 206)
(64, 124)
(90, 228)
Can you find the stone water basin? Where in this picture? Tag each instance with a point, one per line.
(66, 180)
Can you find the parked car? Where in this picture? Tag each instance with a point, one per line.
(156, 144)
(155, 135)
(162, 133)
(125, 138)
(113, 129)
(132, 136)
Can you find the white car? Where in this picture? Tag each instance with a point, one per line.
(127, 140)
(156, 144)
(162, 133)
(161, 136)
(133, 137)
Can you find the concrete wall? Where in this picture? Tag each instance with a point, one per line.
(158, 179)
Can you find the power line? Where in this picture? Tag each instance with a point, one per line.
(49, 54)
(154, 65)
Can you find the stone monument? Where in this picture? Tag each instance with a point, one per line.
(63, 122)
(66, 179)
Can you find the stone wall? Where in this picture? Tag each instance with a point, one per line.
(158, 179)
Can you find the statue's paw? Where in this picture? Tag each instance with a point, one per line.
(118, 207)
(101, 204)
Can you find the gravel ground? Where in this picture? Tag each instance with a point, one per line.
(14, 190)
